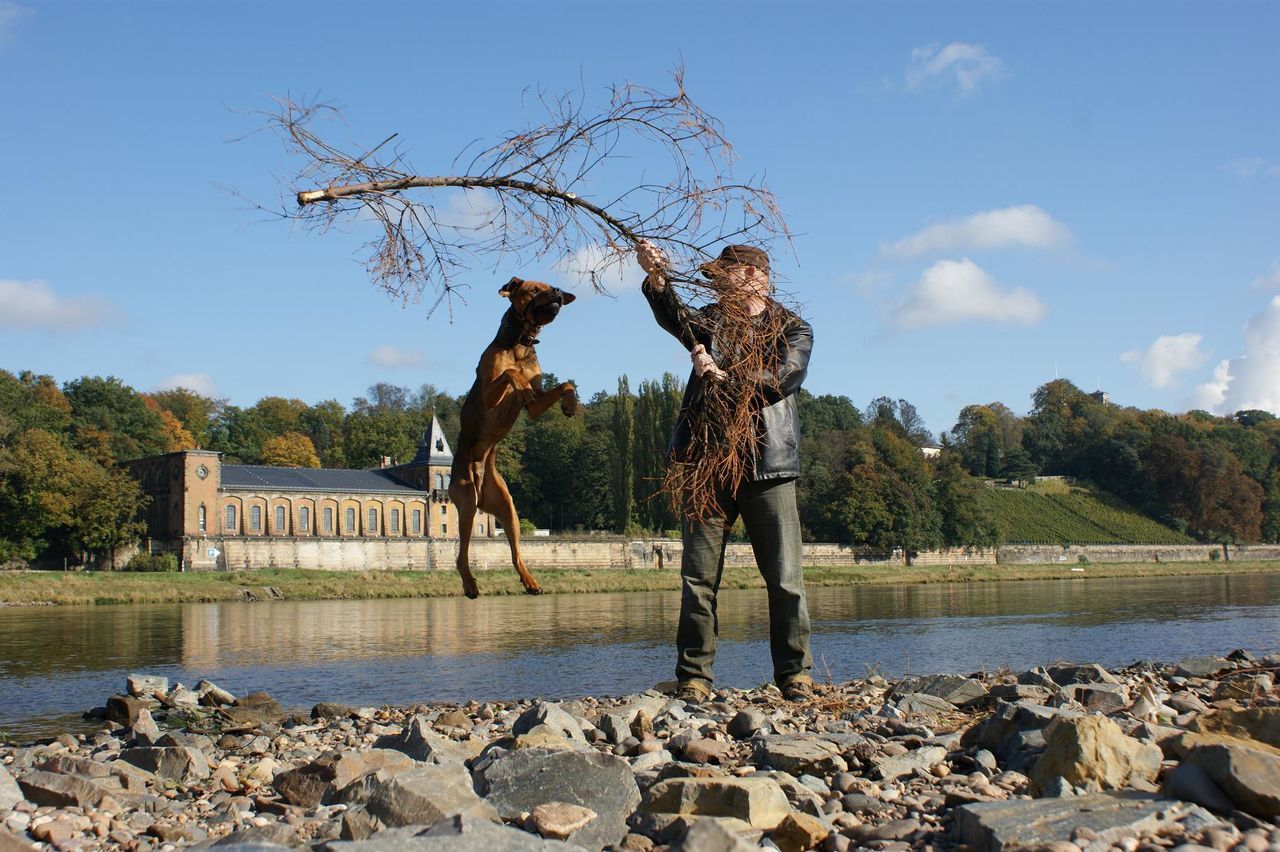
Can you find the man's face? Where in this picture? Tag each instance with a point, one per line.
(743, 281)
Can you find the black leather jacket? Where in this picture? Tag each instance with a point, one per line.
(779, 456)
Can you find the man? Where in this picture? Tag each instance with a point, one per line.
(766, 497)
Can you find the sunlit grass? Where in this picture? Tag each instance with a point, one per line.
(36, 587)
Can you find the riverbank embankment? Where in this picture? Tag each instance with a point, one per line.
(35, 588)
(1062, 757)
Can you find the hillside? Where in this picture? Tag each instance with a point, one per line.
(1054, 512)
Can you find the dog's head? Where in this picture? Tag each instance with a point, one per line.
(535, 302)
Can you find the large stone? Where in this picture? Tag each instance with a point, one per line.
(1201, 666)
(60, 791)
(798, 832)
(177, 763)
(957, 690)
(1088, 673)
(146, 686)
(254, 710)
(518, 782)
(1094, 748)
(924, 704)
(1254, 723)
(1251, 777)
(614, 726)
(421, 742)
(426, 795)
(1103, 697)
(553, 717)
(462, 833)
(1190, 783)
(10, 792)
(322, 780)
(712, 834)
(797, 754)
(124, 709)
(759, 802)
(1017, 823)
(908, 764)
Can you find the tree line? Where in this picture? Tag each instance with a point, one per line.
(864, 479)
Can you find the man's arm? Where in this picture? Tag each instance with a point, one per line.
(671, 314)
(790, 374)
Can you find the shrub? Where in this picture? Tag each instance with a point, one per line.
(527, 526)
(152, 562)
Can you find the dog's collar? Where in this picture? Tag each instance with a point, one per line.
(527, 340)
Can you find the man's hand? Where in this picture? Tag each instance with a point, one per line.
(654, 262)
(704, 366)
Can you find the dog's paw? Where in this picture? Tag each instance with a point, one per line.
(533, 590)
(526, 395)
(569, 401)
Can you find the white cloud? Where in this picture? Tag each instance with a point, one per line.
(1253, 379)
(954, 291)
(11, 17)
(967, 65)
(1170, 355)
(396, 359)
(32, 305)
(201, 383)
(1247, 167)
(1023, 225)
(469, 210)
(596, 264)
(1270, 281)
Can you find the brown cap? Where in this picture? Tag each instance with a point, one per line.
(735, 256)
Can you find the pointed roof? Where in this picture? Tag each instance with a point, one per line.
(434, 448)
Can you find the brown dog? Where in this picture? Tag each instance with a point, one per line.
(508, 379)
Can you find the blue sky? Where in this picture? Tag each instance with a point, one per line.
(983, 194)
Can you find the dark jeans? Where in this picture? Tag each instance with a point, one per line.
(768, 511)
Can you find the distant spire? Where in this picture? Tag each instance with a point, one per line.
(434, 447)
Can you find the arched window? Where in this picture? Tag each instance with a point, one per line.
(417, 521)
(328, 519)
(202, 522)
(231, 519)
(439, 481)
(280, 528)
(351, 520)
(373, 523)
(304, 518)
(255, 518)
(395, 520)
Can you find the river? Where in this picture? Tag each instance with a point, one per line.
(57, 661)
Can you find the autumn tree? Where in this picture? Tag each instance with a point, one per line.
(292, 449)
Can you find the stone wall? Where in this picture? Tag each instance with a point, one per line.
(1038, 554)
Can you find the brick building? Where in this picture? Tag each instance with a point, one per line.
(210, 513)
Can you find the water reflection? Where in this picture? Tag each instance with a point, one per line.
(57, 661)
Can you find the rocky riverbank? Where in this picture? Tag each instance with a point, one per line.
(1064, 757)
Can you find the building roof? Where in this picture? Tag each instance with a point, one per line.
(261, 477)
(434, 449)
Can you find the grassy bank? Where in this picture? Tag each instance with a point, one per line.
(53, 587)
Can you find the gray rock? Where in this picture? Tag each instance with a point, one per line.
(797, 754)
(145, 730)
(1036, 677)
(923, 704)
(426, 795)
(1103, 697)
(615, 727)
(1021, 822)
(1020, 692)
(10, 792)
(146, 686)
(178, 763)
(1057, 787)
(60, 791)
(331, 710)
(758, 802)
(549, 714)
(516, 783)
(1250, 777)
(264, 837)
(212, 695)
(1201, 666)
(462, 833)
(954, 689)
(421, 742)
(986, 760)
(801, 797)
(857, 803)
(711, 835)
(907, 764)
(1192, 784)
(747, 722)
(1089, 673)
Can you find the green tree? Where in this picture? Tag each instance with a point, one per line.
(108, 405)
(622, 468)
(109, 513)
(965, 522)
(322, 423)
(195, 411)
(40, 488)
